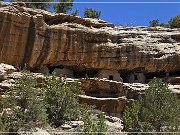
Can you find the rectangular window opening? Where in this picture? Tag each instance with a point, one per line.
(135, 77)
(111, 77)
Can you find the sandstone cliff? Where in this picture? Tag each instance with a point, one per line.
(37, 38)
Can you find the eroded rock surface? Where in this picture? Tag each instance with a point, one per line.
(5, 70)
(107, 95)
(44, 42)
(109, 105)
(37, 38)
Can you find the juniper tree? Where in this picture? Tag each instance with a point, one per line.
(26, 105)
(158, 110)
(92, 125)
(62, 101)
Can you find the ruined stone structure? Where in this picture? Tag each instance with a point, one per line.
(64, 72)
(109, 74)
(136, 78)
(43, 70)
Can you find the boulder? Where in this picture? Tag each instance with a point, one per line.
(174, 80)
(37, 131)
(40, 77)
(66, 126)
(6, 84)
(5, 69)
(15, 75)
(103, 87)
(109, 105)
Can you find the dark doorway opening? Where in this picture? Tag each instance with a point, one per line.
(51, 69)
(111, 77)
(135, 77)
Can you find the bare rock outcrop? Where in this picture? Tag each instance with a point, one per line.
(5, 70)
(109, 105)
(37, 38)
(107, 95)
(8, 75)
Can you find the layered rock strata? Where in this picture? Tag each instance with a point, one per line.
(35, 38)
(71, 46)
(107, 95)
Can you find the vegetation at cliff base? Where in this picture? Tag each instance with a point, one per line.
(23, 105)
(158, 110)
(62, 100)
(94, 126)
(27, 106)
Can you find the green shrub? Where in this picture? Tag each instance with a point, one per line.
(62, 100)
(26, 105)
(2, 121)
(175, 22)
(154, 23)
(131, 117)
(93, 125)
(158, 110)
(91, 13)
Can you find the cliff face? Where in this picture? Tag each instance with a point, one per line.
(37, 38)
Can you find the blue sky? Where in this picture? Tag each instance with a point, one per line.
(133, 14)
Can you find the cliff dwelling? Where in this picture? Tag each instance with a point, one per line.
(114, 75)
(109, 74)
(64, 72)
(45, 70)
(136, 78)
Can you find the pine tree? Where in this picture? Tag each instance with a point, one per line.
(63, 6)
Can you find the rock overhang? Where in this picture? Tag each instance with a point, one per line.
(57, 39)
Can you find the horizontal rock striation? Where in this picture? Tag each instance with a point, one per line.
(35, 38)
